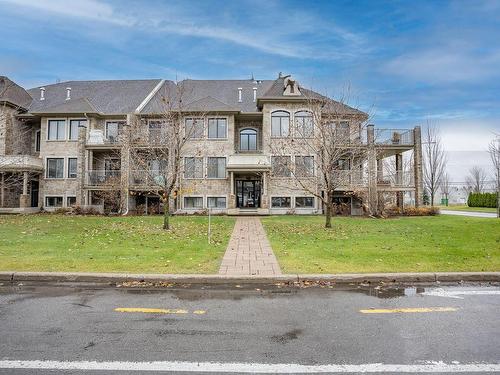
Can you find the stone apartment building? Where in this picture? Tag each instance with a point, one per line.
(62, 145)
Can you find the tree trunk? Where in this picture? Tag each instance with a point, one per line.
(166, 214)
(328, 215)
(432, 197)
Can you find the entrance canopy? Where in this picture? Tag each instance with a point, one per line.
(243, 163)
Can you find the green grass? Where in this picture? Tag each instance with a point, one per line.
(407, 244)
(112, 244)
(467, 208)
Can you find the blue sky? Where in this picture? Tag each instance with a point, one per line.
(405, 62)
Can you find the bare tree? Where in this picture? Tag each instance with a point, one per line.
(158, 146)
(327, 151)
(494, 151)
(476, 180)
(434, 160)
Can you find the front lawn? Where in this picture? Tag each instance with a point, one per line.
(407, 244)
(112, 244)
(467, 208)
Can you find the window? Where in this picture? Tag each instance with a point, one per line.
(55, 168)
(73, 128)
(304, 202)
(37, 141)
(280, 123)
(343, 164)
(157, 131)
(158, 167)
(194, 128)
(193, 202)
(72, 167)
(304, 124)
(248, 140)
(113, 130)
(304, 166)
(193, 167)
(216, 168)
(217, 128)
(53, 201)
(281, 166)
(343, 132)
(216, 202)
(281, 202)
(70, 201)
(56, 130)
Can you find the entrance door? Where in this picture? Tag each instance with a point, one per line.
(248, 193)
(34, 193)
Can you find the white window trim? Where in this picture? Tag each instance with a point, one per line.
(202, 168)
(205, 130)
(218, 196)
(292, 169)
(280, 196)
(66, 167)
(69, 127)
(112, 120)
(304, 196)
(295, 124)
(203, 205)
(47, 169)
(66, 130)
(66, 199)
(295, 166)
(225, 170)
(208, 125)
(39, 131)
(53, 196)
(291, 121)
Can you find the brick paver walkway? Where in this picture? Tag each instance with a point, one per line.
(249, 251)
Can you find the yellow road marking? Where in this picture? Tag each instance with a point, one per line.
(199, 312)
(408, 310)
(150, 311)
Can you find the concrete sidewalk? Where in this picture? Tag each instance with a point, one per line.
(468, 213)
(249, 251)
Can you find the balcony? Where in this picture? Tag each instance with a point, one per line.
(96, 138)
(350, 178)
(394, 137)
(103, 178)
(146, 178)
(20, 163)
(397, 180)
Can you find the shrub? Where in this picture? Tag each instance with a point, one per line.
(482, 200)
(411, 211)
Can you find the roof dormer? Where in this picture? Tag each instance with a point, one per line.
(291, 87)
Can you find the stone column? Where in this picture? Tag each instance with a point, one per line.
(372, 170)
(380, 170)
(24, 199)
(232, 197)
(263, 198)
(399, 179)
(417, 166)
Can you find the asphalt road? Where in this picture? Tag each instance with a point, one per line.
(469, 213)
(241, 329)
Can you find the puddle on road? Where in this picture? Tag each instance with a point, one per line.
(192, 292)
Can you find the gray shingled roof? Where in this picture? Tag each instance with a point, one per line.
(106, 97)
(224, 92)
(13, 93)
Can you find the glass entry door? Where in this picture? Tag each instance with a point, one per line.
(248, 193)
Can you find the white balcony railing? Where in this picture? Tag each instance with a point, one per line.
(397, 179)
(395, 137)
(146, 178)
(350, 178)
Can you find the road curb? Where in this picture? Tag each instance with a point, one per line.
(112, 278)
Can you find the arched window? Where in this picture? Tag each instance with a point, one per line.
(280, 124)
(248, 140)
(304, 124)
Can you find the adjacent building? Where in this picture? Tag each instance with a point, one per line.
(62, 145)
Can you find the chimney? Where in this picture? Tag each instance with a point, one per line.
(239, 94)
(254, 94)
(68, 93)
(42, 93)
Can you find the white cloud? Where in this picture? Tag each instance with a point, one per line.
(178, 22)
